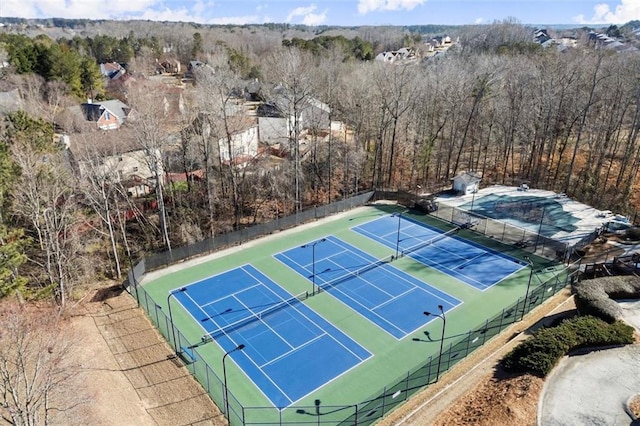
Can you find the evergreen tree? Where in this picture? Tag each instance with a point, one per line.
(12, 256)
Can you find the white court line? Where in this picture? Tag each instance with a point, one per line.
(295, 349)
(309, 270)
(259, 318)
(356, 302)
(230, 294)
(308, 321)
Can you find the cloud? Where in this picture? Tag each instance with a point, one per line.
(173, 15)
(74, 8)
(198, 11)
(366, 6)
(200, 7)
(625, 11)
(478, 21)
(309, 18)
(313, 19)
(300, 11)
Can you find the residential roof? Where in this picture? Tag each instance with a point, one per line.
(93, 110)
(119, 108)
(112, 70)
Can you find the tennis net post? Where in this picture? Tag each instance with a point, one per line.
(255, 316)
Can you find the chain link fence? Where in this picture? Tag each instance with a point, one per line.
(506, 233)
(166, 258)
(351, 413)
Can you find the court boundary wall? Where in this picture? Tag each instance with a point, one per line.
(352, 413)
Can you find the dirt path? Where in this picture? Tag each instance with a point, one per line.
(130, 372)
(471, 394)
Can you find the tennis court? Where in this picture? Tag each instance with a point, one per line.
(282, 336)
(477, 266)
(385, 295)
(312, 356)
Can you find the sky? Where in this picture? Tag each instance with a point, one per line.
(334, 12)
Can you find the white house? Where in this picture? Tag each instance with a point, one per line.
(118, 162)
(275, 130)
(467, 183)
(244, 140)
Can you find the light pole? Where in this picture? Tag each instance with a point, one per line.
(473, 199)
(224, 375)
(444, 326)
(526, 295)
(173, 331)
(313, 262)
(415, 203)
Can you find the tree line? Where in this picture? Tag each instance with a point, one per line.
(566, 122)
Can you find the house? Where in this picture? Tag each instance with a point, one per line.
(244, 140)
(404, 54)
(168, 66)
(239, 148)
(277, 118)
(116, 161)
(112, 70)
(541, 36)
(108, 115)
(467, 183)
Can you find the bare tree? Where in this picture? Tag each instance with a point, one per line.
(290, 71)
(43, 196)
(220, 90)
(35, 366)
(150, 131)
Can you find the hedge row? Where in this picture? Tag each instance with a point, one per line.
(596, 297)
(539, 354)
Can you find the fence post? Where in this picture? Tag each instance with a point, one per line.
(155, 309)
(384, 397)
(406, 386)
(206, 372)
(356, 415)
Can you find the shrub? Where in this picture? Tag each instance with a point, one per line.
(633, 233)
(594, 297)
(539, 354)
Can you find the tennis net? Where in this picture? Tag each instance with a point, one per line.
(352, 274)
(257, 316)
(432, 241)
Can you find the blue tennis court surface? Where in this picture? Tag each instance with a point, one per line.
(472, 264)
(386, 296)
(290, 351)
